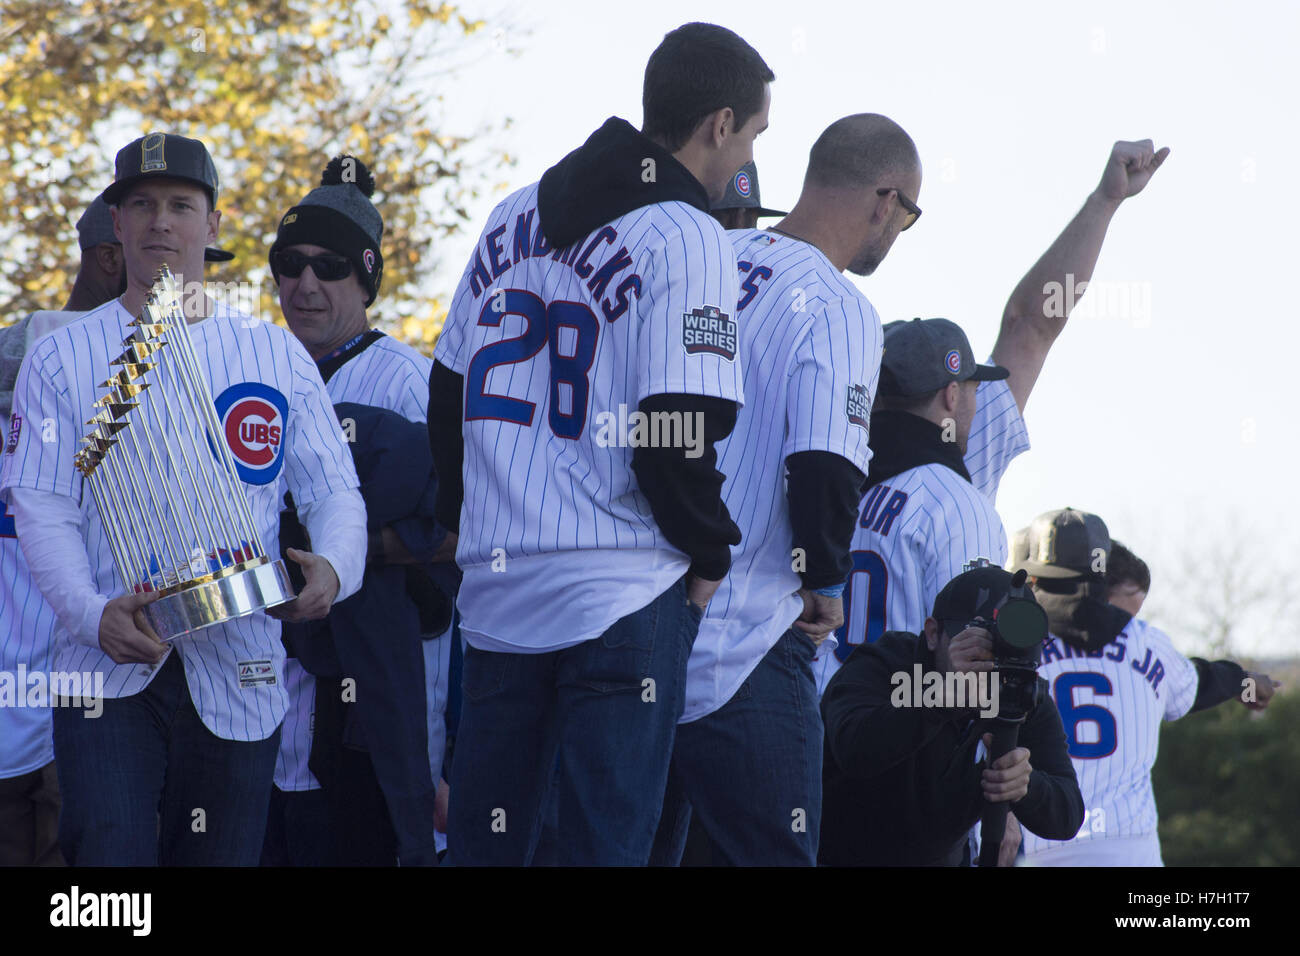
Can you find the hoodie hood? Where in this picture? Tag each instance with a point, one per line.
(901, 441)
(608, 176)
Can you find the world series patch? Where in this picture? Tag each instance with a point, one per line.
(15, 429)
(708, 330)
(858, 407)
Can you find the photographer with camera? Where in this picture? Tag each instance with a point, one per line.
(909, 720)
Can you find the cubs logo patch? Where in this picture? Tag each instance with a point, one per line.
(15, 429)
(709, 331)
(742, 183)
(368, 257)
(252, 417)
(858, 407)
(252, 673)
(953, 361)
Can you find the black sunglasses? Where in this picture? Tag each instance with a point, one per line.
(327, 268)
(913, 210)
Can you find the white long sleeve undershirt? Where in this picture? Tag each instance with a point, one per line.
(49, 531)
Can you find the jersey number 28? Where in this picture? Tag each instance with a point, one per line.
(543, 326)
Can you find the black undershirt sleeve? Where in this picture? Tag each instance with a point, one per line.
(685, 492)
(1217, 681)
(446, 389)
(824, 491)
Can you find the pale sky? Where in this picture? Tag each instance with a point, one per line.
(1164, 407)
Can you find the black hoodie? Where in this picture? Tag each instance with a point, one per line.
(900, 785)
(616, 171)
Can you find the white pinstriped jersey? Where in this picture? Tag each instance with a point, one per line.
(558, 347)
(26, 628)
(279, 425)
(291, 770)
(1112, 702)
(388, 374)
(916, 530)
(812, 343)
(437, 670)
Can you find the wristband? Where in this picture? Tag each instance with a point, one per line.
(831, 591)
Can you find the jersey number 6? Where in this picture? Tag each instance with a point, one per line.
(543, 324)
(1072, 715)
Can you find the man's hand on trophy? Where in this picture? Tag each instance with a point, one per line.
(125, 635)
(317, 595)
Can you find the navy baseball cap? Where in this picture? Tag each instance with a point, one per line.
(162, 154)
(95, 225)
(1066, 544)
(742, 193)
(924, 355)
(979, 592)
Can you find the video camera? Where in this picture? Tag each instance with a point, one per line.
(1019, 628)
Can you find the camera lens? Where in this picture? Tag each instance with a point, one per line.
(1022, 624)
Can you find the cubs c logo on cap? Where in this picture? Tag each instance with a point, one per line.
(953, 361)
(368, 257)
(742, 183)
(252, 417)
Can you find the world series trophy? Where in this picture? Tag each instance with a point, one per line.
(166, 487)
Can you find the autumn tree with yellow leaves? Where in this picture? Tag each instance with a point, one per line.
(274, 90)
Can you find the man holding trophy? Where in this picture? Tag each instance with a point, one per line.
(144, 486)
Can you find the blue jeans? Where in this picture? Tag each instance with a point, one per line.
(752, 769)
(134, 778)
(593, 705)
(297, 829)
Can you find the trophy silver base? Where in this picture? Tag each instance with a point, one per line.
(229, 593)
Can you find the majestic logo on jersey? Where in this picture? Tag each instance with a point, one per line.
(709, 330)
(15, 427)
(252, 417)
(368, 257)
(252, 673)
(858, 407)
(742, 183)
(953, 361)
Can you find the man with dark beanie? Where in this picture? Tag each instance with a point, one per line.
(368, 750)
(597, 302)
